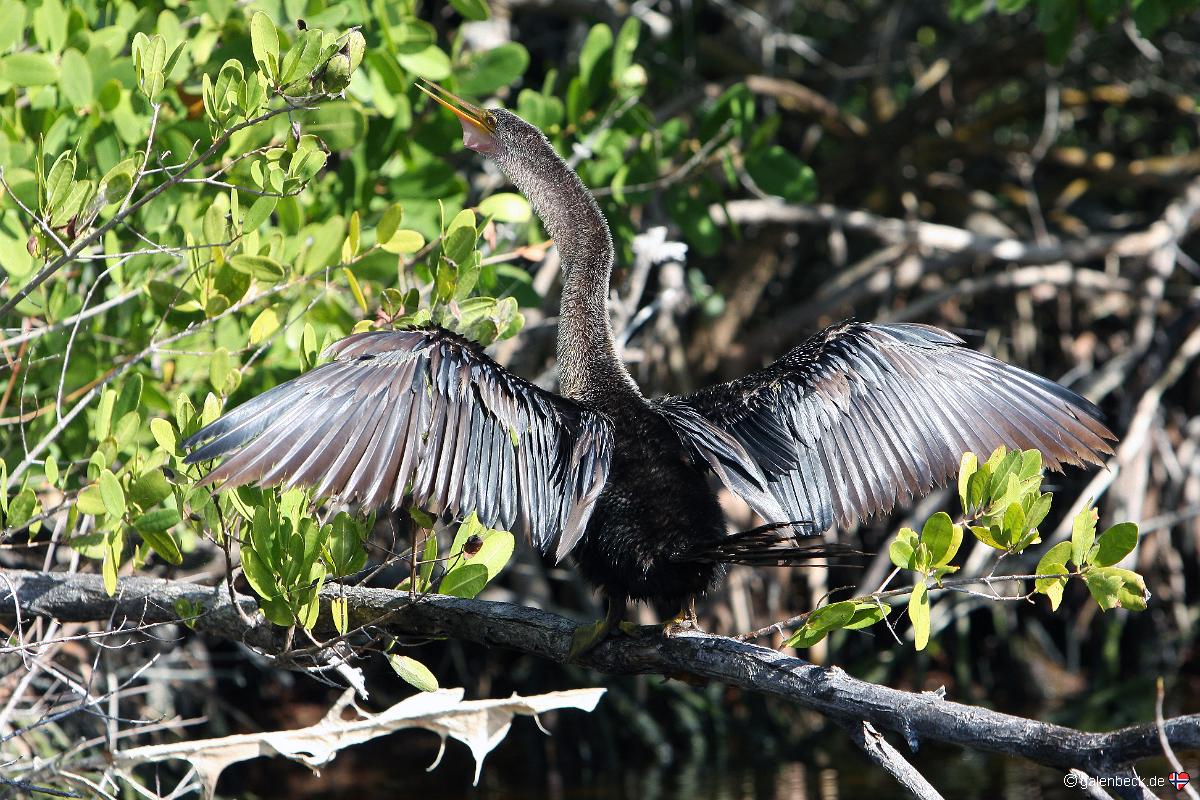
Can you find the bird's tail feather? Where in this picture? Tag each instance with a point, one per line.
(778, 544)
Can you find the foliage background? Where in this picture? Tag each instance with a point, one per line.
(1022, 173)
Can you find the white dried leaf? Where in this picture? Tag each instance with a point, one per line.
(479, 724)
(654, 247)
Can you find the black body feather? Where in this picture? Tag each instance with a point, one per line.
(840, 428)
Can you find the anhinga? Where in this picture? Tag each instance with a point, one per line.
(837, 429)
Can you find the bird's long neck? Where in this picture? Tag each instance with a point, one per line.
(589, 368)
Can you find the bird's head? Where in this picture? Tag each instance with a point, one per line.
(495, 132)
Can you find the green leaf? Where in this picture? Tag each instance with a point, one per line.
(966, 468)
(902, 547)
(1054, 562)
(164, 433)
(1105, 584)
(1039, 507)
(265, 324)
(187, 611)
(1114, 544)
(1133, 595)
(1031, 464)
(942, 537)
(596, 48)
(258, 213)
(339, 609)
(150, 489)
(112, 494)
(918, 612)
(90, 501)
(475, 10)
(75, 78)
(866, 615)
(153, 528)
(465, 580)
(833, 616)
(389, 223)
(991, 535)
(977, 489)
(51, 470)
(506, 207)
(1013, 523)
(430, 63)
(130, 397)
(497, 549)
(22, 508)
(258, 574)
(404, 242)
(28, 69)
(414, 673)
(805, 637)
(625, 47)
(114, 543)
(261, 267)
(426, 520)
(353, 238)
(492, 69)
(778, 172)
(343, 550)
(429, 556)
(1083, 534)
(264, 41)
(355, 290)
(1008, 466)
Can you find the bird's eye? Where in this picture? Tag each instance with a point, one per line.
(490, 119)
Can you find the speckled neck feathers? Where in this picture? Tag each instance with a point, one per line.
(589, 367)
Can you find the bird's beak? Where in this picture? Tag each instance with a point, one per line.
(477, 133)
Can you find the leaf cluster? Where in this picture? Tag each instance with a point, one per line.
(1002, 507)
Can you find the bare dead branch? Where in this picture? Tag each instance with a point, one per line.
(918, 716)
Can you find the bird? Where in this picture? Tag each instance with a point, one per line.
(840, 428)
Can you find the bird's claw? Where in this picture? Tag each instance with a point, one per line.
(681, 626)
(586, 638)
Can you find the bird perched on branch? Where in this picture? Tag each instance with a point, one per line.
(839, 428)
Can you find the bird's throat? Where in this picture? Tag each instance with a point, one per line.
(589, 367)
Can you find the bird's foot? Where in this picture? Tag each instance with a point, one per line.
(587, 637)
(684, 623)
(680, 627)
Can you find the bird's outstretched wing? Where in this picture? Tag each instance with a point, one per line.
(421, 413)
(861, 415)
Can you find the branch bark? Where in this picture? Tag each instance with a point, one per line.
(917, 716)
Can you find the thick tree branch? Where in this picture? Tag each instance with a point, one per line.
(918, 716)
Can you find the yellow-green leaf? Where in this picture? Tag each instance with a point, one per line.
(264, 41)
(355, 289)
(414, 672)
(506, 207)
(164, 433)
(266, 323)
(1083, 534)
(90, 501)
(918, 612)
(1054, 562)
(112, 494)
(966, 468)
(339, 609)
(389, 223)
(404, 242)
(261, 267)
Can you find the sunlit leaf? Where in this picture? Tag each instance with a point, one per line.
(414, 672)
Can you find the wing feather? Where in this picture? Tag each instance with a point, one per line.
(861, 416)
(421, 416)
